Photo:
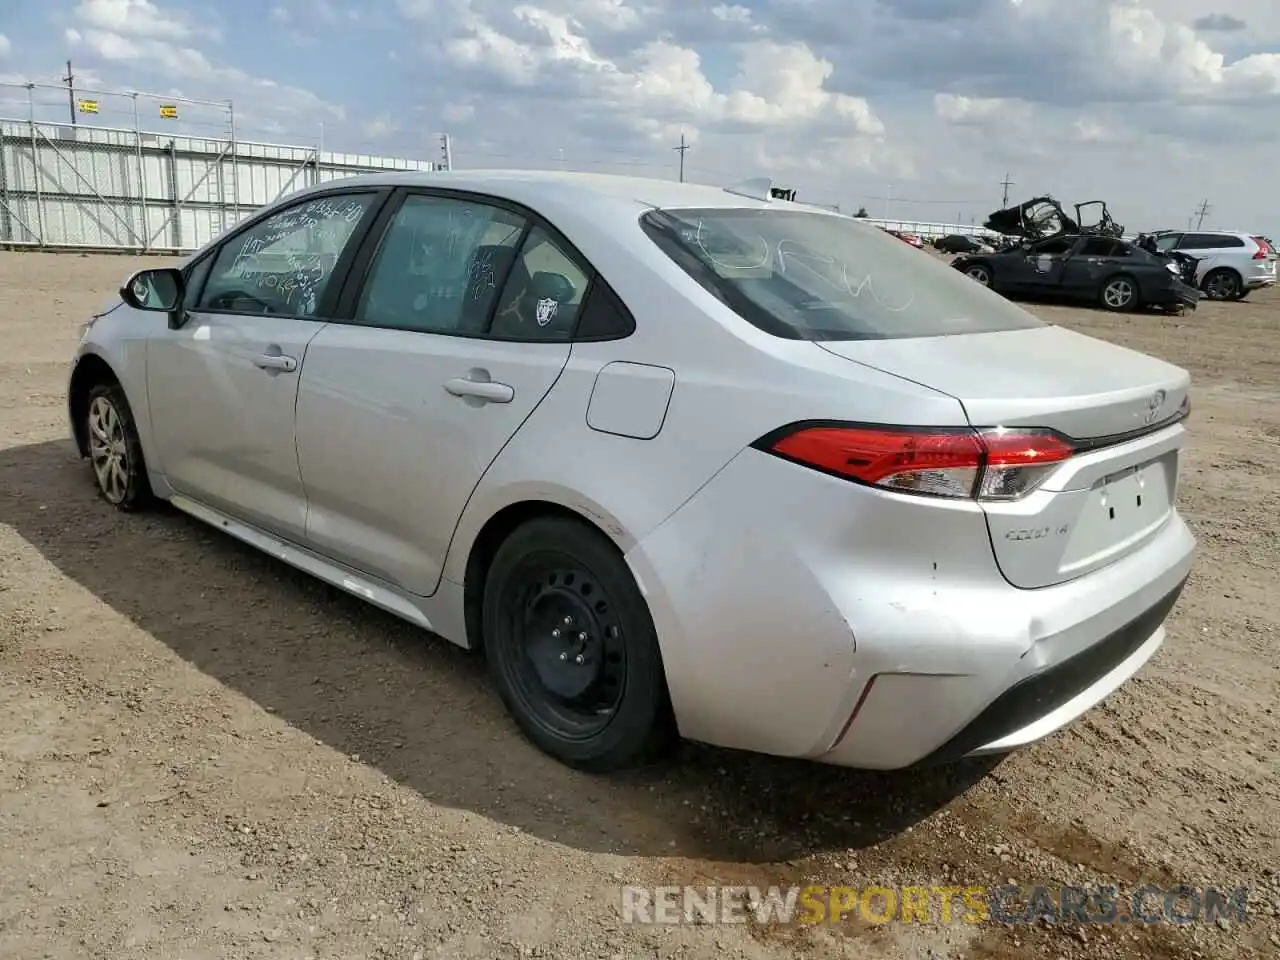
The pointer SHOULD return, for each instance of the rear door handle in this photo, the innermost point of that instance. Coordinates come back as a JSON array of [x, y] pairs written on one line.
[[273, 361], [485, 390]]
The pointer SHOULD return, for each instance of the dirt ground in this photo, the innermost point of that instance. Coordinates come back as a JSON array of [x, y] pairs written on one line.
[[206, 754]]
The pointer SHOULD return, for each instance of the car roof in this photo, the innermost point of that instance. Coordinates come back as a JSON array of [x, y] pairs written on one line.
[[1212, 233], [536, 188]]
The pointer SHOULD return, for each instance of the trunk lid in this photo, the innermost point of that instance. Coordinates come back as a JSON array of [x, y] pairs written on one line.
[[1109, 499]]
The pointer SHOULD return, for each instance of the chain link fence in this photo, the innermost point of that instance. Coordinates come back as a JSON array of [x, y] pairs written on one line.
[[141, 172]]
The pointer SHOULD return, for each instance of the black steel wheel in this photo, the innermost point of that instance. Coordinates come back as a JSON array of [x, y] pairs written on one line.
[[572, 648]]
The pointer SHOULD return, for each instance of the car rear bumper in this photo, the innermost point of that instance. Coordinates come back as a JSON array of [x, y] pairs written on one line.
[[1259, 282], [1037, 705], [871, 630]]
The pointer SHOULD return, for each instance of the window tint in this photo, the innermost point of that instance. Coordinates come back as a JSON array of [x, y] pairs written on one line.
[[439, 266], [543, 294], [284, 264], [1167, 243], [816, 276], [604, 316]]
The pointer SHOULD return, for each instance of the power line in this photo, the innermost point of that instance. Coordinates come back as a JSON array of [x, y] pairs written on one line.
[[1201, 212], [681, 150], [1006, 183], [70, 80]]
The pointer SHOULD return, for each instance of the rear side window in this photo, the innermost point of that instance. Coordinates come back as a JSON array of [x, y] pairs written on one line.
[[1209, 241], [814, 276]]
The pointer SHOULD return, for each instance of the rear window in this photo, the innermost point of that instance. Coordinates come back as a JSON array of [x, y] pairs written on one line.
[[816, 276]]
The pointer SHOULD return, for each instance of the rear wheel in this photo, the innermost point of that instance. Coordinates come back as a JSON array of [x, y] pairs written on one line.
[[572, 648], [115, 452], [1222, 284], [1120, 294]]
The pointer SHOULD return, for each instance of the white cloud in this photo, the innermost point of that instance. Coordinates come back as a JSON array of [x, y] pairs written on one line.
[[926, 102], [141, 35], [136, 18]]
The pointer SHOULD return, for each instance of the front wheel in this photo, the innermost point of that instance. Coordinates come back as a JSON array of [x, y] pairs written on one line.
[[115, 452], [572, 648], [1120, 294], [979, 272]]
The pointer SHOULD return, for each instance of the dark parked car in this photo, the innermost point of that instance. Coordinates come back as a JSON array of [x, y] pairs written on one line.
[[1115, 274], [958, 243]]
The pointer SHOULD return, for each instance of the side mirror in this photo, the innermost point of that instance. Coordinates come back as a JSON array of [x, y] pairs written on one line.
[[159, 289]]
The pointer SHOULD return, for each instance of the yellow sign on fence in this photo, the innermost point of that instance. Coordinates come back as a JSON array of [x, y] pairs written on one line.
[[168, 111], [87, 106]]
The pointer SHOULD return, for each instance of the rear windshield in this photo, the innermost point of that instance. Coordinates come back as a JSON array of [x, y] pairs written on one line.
[[817, 276]]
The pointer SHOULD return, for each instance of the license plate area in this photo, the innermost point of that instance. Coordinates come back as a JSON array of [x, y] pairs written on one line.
[[1119, 512]]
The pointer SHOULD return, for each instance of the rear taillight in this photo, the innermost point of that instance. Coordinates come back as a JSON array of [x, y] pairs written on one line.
[[996, 464], [1264, 249]]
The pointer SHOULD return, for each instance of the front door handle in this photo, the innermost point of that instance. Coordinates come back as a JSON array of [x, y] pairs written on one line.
[[484, 390], [274, 361]]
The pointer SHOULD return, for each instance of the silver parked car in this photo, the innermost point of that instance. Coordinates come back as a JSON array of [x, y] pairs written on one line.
[[677, 458], [1232, 264]]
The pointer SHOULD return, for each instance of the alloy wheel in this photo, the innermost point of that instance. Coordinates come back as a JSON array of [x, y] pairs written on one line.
[[1118, 294], [109, 450]]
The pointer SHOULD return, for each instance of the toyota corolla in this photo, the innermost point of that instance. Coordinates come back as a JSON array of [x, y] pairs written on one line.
[[678, 459]]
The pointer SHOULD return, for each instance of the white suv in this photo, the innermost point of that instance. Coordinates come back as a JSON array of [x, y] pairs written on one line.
[[1232, 264]]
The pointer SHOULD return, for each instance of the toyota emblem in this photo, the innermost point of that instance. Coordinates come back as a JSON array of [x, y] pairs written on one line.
[[1153, 407]]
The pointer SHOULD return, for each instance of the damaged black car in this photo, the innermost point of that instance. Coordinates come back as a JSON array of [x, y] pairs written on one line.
[[1083, 259], [1111, 273]]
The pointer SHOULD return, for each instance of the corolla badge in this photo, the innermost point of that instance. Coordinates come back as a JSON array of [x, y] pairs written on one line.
[[1153, 407]]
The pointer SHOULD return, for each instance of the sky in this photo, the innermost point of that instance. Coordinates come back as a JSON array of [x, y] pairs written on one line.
[[913, 109]]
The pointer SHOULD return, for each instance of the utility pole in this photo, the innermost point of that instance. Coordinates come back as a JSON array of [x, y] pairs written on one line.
[[70, 80], [1201, 211], [1006, 183], [680, 150]]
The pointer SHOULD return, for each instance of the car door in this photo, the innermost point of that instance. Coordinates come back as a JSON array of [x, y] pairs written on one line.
[[1089, 263], [459, 328], [222, 386], [1038, 268]]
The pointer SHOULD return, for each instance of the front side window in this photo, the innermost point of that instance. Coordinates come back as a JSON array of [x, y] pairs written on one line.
[[1103, 247], [815, 276], [1166, 243], [284, 264], [1053, 248], [440, 266]]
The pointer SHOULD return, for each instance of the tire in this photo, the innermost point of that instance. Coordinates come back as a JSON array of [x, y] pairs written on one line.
[[1119, 294], [1222, 284], [553, 582], [115, 452], [980, 273]]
